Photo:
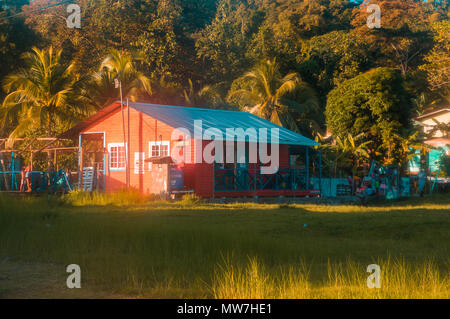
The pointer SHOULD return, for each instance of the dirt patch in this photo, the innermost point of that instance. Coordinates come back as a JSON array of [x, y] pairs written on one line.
[[23, 280]]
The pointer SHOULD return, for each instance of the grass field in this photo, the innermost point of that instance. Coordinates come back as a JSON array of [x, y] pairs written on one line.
[[127, 247]]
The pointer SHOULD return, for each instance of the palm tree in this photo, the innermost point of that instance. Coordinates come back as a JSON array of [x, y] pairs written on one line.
[[421, 103], [208, 95], [412, 144], [353, 152], [273, 97], [121, 66], [440, 127], [101, 89], [43, 95], [166, 91]]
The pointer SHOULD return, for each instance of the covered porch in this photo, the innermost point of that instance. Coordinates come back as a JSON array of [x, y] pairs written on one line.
[[293, 180]]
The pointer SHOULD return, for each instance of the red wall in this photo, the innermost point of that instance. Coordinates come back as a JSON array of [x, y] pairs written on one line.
[[143, 129]]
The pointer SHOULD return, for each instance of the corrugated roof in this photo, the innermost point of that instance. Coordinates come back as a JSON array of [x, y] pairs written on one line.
[[433, 113], [184, 117]]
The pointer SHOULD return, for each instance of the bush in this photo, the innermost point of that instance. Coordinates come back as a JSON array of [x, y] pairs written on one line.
[[190, 199], [444, 164]]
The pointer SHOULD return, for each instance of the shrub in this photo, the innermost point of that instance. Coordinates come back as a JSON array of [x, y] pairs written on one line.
[[190, 199]]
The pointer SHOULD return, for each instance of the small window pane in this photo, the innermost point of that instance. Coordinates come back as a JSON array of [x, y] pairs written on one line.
[[155, 150], [117, 157], [164, 150]]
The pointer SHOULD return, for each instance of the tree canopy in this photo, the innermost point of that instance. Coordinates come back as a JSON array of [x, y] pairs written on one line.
[[375, 104], [201, 52]]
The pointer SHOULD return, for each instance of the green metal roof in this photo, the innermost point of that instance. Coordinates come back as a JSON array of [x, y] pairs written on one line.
[[184, 117]]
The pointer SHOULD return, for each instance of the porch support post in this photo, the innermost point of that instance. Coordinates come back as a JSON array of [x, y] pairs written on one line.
[[13, 171], [213, 179], [320, 171], [55, 160], [31, 159], [255, 180], [307, 167]]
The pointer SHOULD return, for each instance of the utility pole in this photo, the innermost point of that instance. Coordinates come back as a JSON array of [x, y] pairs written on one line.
[[118, 84], [129, 146]]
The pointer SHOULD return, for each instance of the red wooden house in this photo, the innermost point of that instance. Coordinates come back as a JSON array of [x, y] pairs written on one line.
[[161, 149]]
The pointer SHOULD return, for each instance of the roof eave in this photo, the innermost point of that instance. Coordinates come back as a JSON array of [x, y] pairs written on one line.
[[77, 129]]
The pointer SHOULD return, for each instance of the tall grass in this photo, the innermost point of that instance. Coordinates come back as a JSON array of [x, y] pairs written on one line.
[[255, 282], [130, 197], [173, 251], [120, 198], [345, 281]]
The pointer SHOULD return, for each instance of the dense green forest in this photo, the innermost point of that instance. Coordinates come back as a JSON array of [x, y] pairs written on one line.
[[305, 64]]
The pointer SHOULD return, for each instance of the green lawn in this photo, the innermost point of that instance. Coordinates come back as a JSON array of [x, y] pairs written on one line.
[[163, 250]]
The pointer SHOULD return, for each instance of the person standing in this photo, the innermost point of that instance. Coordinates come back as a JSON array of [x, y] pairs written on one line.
[[26, 179]]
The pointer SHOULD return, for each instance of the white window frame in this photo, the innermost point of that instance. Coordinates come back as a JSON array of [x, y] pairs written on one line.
[[158, 143], [117, 169], [139, 163], [150, 153]]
